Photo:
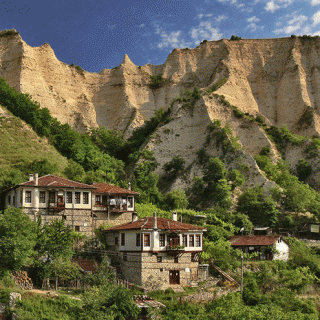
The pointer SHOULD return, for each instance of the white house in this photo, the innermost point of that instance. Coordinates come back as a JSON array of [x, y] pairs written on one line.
[[53, 197], [270, 247], [159, 251]]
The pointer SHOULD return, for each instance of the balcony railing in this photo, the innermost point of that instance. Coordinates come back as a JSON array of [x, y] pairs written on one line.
[[175, 248]]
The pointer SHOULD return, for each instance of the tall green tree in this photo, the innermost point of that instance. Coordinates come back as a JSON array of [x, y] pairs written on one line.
[[17, 239]]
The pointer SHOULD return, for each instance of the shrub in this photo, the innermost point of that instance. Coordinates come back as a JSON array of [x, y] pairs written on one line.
[[233, 37], [306, 118], [219, 84], [293, 36], [304, 169], [157, 81], [265, 151], [11, 32]]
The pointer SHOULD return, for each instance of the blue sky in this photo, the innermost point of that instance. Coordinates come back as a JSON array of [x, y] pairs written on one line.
[[97, 34]]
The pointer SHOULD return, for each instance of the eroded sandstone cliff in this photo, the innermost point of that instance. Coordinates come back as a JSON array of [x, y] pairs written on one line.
[[274, 78]]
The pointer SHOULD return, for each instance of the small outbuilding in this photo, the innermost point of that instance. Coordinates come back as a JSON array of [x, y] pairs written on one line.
[[269, 247]]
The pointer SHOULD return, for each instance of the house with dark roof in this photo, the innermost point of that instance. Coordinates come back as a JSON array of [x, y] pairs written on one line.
[[53, 197], [269, 247], [159, 252]]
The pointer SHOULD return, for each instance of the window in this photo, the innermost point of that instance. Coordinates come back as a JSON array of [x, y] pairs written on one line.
[[191, 240], [64, 217], [20, 197], [76, 228], [42, 197], [130, 202], [146, 240], [159, 259], [194, 257], [162, 240], [116, 240], [28, 196], [138, 239], [198, 240], [125, 257], [69, 197], [9, 199], [14, 200], [51, 197], [77, 196], [176, 259], [86, 197], [185, 240], [98, 199], [123, 239]]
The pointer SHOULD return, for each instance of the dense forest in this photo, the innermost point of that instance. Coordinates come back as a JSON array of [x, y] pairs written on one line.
[[275, 290]]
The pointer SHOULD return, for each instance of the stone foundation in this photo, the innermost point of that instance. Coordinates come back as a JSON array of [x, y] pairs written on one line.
[[144, 269], [81, 218]]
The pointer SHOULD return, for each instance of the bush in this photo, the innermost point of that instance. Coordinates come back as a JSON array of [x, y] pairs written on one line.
[[304, 169], [235, 38], [11, 32], [265, 151], [157, 81], [293, 36]]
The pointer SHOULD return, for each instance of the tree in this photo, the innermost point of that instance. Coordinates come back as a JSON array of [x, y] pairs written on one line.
[[55, 240], [176, 199], [64, 269], [304, 169], [74, 171], [17, 239], [108, 302], [261, 212]]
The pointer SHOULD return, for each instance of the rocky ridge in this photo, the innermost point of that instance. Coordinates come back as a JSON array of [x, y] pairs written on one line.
[[274, 78]]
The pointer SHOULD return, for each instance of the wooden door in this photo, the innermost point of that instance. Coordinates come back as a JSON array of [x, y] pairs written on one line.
[[60, 201], [174, 241], [174, 277]]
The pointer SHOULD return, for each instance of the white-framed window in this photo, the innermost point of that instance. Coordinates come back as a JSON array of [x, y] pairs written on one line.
[[28, 197]]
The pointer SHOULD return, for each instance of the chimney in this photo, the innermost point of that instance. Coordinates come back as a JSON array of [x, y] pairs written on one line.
[[129, 186], [174, 216], [134, 216], [155, 222], [31, 177], [36, 179]]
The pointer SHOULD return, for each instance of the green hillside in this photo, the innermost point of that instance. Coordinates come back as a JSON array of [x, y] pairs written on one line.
[[20, 145]]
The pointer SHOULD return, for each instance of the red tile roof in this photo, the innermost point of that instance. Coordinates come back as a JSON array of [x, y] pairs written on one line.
[[162, 224], [86, 265], [110, 189], [254, 240], [55, 182]]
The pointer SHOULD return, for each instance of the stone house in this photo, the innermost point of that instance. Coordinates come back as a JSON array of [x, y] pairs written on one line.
[[157, 252], [263, 245], [112, 203], [52, 197]]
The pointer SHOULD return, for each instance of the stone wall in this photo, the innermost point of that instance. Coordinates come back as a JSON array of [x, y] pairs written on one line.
[[144, 269], [81, 218]]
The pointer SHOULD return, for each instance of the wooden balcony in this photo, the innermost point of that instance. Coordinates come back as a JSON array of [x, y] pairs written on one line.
[[56, 207], [175, 249]]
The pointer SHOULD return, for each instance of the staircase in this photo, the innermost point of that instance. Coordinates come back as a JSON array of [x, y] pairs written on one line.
[[225, 275]]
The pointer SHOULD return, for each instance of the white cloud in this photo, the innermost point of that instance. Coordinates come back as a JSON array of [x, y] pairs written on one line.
[[316, 18], [220, 18], [271, 6], [204, 31], [315, 2], [253, 19], [232, 2], [170, 40], [298, 19], [277, 4], [201, 15]]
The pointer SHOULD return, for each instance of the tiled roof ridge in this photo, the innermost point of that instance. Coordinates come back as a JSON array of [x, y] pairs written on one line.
[[59, 177], [145, 222]]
